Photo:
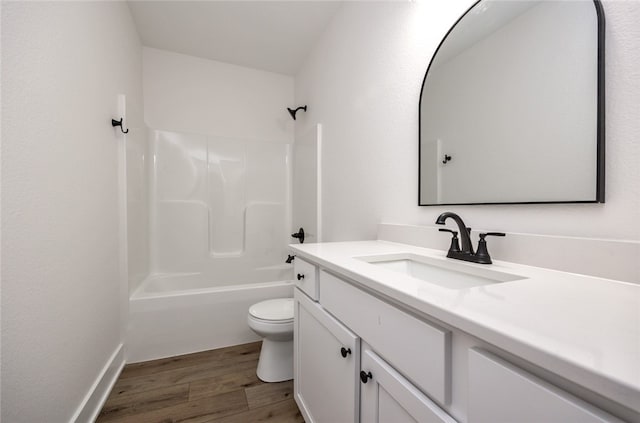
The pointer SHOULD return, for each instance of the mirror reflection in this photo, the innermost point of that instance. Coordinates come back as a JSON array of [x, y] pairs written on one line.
[[510, 110]]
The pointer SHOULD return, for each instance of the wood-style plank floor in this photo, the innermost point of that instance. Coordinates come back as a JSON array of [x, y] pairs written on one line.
[[212, 386]]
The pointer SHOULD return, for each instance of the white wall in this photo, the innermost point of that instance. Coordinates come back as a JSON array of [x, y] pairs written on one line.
[[188, 94], [363, 86], [63, 66]]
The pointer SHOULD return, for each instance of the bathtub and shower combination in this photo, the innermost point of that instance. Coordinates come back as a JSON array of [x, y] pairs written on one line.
[[219, 219], [178, 314]]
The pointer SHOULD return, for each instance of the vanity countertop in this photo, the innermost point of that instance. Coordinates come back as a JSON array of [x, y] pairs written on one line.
[[585, 329]]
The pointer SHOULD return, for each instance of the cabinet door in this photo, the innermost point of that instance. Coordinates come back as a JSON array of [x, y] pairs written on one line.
[[501, 392], [387, 397], [325, 375]]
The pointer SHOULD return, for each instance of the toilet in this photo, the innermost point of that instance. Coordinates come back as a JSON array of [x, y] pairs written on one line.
[[273, 321]]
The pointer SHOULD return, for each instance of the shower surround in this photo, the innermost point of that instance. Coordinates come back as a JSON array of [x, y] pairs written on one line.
[[219, 227]]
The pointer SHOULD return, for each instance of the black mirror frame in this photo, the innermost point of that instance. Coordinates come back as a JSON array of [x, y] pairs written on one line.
[[600, 130]]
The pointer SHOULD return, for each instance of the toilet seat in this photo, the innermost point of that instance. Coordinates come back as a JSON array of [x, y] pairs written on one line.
[[279, 310], [271, 322]]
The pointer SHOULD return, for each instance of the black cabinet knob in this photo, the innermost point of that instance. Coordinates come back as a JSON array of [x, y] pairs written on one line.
[[365, 376], [344, 352], [300, 276]]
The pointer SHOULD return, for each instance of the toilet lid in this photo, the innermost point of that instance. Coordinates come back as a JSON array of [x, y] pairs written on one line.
[[278, 309]]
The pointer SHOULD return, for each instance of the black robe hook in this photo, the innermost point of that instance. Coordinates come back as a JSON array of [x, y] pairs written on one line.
[[293, 112], [115, 123]]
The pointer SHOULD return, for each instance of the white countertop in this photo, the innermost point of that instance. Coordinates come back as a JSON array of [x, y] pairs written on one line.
[[583, 328]]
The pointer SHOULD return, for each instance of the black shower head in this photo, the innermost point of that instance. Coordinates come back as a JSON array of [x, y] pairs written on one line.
[[293, 112]]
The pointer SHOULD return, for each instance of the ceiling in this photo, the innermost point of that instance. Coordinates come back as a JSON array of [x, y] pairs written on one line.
[[274, 36]]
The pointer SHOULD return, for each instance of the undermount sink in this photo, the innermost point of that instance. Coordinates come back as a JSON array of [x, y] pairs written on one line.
[[439, 272]]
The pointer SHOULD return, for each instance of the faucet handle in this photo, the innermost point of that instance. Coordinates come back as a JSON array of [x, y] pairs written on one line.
[[455, 246], [482, 236], [482, 255], [455, 233]]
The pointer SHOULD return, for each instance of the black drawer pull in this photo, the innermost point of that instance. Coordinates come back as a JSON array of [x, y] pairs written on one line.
[[365, 376], [344, 352], [300, 276]]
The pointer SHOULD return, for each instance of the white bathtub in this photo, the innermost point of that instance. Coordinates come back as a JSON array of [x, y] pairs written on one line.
[[182, 313]]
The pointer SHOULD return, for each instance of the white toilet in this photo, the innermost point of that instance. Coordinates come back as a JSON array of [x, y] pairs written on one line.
[[273, 320]]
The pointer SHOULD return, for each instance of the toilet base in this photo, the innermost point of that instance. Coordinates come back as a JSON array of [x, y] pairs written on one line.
[[276, 361]]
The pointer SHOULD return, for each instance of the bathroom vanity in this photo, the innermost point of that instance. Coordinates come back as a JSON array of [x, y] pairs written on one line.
[[388, 332]]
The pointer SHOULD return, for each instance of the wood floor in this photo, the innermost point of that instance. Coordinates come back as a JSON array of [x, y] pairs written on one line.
[[213, 386]]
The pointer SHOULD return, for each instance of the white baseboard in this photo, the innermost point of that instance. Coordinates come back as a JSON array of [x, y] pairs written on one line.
[[94, 400]]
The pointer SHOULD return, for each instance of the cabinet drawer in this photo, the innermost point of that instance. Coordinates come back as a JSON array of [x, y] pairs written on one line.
[[502, 392], [419, 350], [305, 276]]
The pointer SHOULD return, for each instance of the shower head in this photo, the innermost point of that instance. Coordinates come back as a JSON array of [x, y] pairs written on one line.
[[293, 112]]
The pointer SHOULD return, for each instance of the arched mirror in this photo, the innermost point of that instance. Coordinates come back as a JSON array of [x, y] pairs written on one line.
[[512, 106]]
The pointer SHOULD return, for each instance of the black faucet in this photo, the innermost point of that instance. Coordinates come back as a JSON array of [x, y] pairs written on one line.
[[466, 252], [467, 248]]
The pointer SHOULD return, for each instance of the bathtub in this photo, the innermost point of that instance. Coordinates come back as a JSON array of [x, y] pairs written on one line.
[[173, 314]]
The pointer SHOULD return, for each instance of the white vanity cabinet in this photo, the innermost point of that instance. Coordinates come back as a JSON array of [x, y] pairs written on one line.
[[326, 365], [387, 397], [502, 392], [404, 366], [327, 379]]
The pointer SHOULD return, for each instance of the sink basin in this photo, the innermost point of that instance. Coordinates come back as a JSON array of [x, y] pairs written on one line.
[[439, 272]]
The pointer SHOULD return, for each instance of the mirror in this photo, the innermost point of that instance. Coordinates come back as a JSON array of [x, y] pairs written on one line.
[[512, 106]]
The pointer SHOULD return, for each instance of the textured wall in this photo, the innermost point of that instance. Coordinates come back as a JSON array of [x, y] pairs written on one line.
[[63, 66], [188, 94], [363, 87]]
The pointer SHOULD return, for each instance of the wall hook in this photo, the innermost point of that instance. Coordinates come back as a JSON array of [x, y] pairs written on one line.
[[446, 159], [293, 112], [115, 123]]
